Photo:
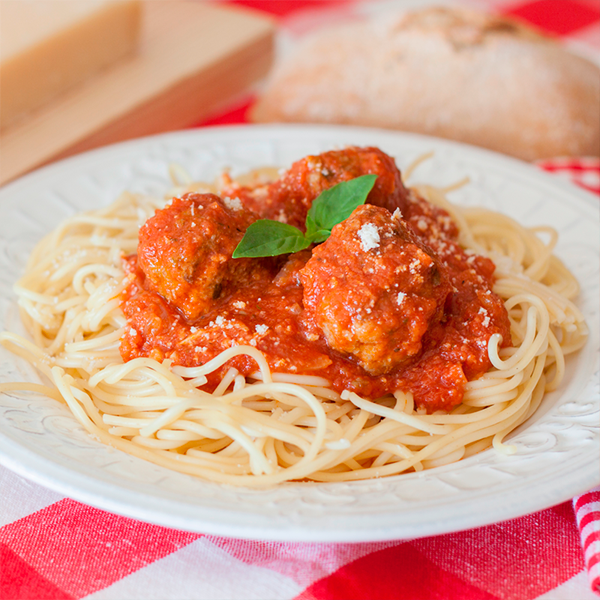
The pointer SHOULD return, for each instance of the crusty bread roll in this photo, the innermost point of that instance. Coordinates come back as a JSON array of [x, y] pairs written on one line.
[[448, 72]]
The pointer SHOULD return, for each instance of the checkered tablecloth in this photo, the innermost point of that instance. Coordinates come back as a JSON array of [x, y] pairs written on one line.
[[52, 547]]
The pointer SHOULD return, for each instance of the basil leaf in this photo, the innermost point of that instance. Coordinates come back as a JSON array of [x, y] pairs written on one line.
[[318, 236], [270, 238], [311, 226], [336, 204], [332, 206]]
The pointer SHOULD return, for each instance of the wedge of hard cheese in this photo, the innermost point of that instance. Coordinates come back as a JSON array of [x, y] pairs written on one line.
[[192, 58], [48, 46]]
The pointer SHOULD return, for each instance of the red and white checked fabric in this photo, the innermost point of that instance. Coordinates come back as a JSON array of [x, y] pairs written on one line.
[[54, 548], [587, 512]]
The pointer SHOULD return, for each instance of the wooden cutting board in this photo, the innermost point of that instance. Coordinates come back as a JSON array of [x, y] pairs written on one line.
[[193, 56]]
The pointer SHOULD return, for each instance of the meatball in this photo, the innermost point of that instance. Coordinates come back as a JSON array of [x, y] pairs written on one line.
[[373, 290], [185, 251], [289, 198]]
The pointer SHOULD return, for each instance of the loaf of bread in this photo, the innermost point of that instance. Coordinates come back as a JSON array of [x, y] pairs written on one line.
[[448, 72]]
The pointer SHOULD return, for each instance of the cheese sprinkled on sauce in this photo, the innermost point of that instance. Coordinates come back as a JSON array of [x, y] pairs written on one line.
[[369, 236], [232, 203], [486, 318]]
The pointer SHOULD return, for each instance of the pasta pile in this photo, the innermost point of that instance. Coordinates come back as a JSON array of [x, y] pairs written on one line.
[[275, 427]]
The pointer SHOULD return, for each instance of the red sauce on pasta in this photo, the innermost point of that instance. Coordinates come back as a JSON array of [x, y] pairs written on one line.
[[389, 302]]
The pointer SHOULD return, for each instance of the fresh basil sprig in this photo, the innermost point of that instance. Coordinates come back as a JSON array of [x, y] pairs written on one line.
[[272, 238]]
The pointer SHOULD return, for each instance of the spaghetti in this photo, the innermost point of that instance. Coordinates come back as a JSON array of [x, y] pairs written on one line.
[[269, 427]]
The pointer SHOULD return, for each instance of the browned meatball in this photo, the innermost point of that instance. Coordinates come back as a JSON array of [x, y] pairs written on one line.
[[373, 290], [289, 198], [185, 251]]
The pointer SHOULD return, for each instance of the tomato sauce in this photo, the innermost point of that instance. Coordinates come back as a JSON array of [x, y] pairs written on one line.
[[412, 312]]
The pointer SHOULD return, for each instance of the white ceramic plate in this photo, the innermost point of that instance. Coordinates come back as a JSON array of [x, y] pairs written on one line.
[[558, 449]]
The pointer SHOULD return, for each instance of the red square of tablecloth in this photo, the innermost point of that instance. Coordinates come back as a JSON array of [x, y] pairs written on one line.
[[561, 17]]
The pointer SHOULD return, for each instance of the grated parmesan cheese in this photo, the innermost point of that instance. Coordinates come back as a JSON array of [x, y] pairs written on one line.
[[369, 236], [415, 263], [232, 203], [486, 318], [281, 217]]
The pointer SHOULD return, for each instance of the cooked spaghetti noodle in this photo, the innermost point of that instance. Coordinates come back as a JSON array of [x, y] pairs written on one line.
[[272, 427]]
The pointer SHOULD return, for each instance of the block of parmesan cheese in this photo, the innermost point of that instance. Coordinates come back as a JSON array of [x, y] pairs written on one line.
[[48, 46], [192, 58]]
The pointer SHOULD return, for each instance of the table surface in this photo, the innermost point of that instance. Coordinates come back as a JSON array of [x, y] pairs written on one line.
[[54, 547]]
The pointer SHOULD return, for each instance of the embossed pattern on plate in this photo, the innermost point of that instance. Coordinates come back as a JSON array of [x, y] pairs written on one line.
[[558, 449]]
